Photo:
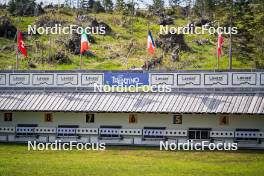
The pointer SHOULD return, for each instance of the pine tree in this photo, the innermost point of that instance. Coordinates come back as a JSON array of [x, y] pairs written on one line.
[[22, 7], [97, 7], [12, 7], [244, 20], [120, 6], [158, 5], [84, 4], [90, 4], [108, 5], [204, 8], [174, 3]]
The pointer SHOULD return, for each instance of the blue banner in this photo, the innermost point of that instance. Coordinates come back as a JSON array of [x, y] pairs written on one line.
[[126, 79]]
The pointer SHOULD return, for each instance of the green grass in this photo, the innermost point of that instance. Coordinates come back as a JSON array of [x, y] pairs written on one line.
[[202, 57], [17, 160]]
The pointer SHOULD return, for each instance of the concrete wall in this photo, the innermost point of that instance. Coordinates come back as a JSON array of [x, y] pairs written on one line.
[[144, 120]]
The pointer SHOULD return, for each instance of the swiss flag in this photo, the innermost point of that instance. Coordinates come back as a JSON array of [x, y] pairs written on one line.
[[20, 44]]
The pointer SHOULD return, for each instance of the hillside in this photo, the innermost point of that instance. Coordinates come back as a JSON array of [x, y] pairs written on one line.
[[124, 48]]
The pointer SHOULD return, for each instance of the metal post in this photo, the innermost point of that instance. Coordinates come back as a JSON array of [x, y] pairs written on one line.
[[49, 55], [218, 62], [81, 61], [217, 49], [230, 37], [147, 45], [17, 61]]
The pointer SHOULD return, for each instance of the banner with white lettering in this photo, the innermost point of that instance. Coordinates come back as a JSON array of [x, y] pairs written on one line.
[[126, 79]]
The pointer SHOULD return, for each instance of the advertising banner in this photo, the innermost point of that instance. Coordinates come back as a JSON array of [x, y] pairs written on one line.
[[126, 79]]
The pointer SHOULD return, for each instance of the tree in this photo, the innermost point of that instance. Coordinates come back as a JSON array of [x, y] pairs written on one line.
[[108, 5], [12, 6], [120, 6], [258, 33], [130, 8], [97, 7], [158, 5], [204, 8], [174, 3], [24, 8], [247, 16], [84, 4], [90, 4], [244, 20]]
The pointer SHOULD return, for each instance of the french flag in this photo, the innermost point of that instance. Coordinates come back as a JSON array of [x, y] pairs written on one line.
[[151, 44]]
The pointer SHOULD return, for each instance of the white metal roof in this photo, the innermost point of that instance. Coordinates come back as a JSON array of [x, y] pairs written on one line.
[[251, 103]]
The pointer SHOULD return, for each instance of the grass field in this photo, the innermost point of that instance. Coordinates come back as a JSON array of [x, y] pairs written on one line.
[[17, 160], [112, 52]]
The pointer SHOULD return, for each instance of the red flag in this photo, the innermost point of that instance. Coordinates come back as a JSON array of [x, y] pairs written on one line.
[[20, 44], [219, 45]]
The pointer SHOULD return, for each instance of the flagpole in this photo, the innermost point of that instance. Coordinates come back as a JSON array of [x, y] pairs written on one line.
[[81, 62], [147, 56], [230, 37], [217, 63], [17, 64], [230, 51], [217, 47]]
